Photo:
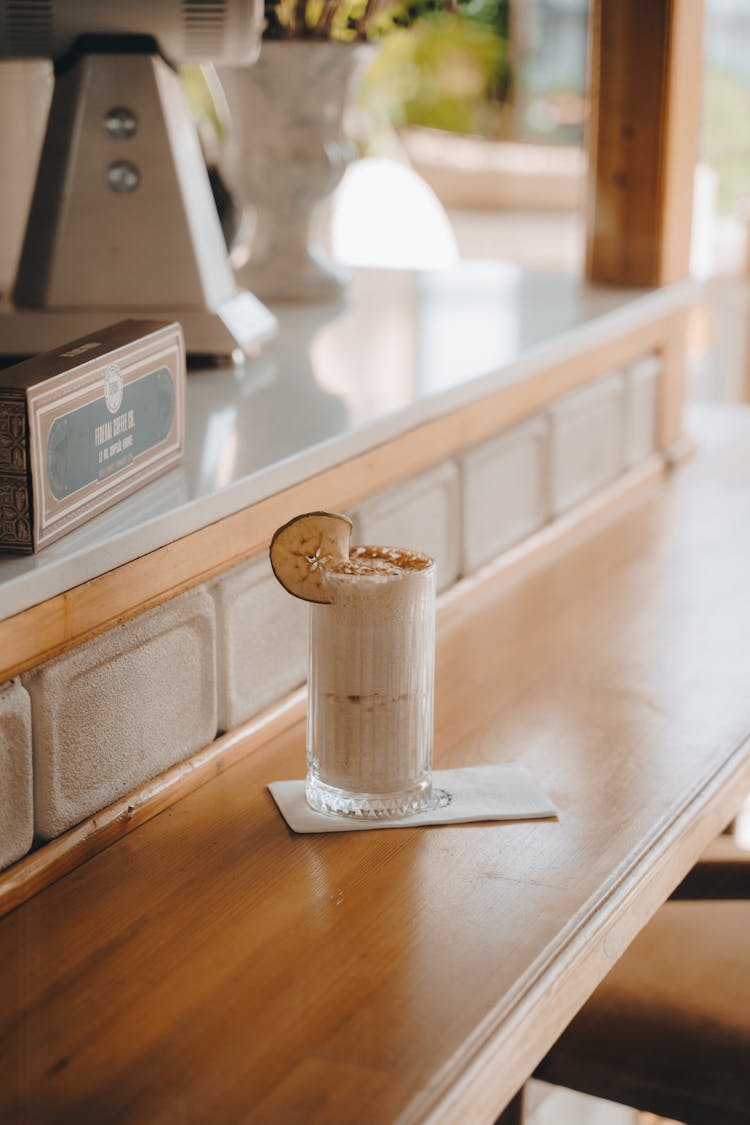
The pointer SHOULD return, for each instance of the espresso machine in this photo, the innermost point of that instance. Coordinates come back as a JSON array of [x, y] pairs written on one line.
[[123, 222]]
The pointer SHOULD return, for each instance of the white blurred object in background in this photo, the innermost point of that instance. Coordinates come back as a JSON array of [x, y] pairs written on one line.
[[384, 214]]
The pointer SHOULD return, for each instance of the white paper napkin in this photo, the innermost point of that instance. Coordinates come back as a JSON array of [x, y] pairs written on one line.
[[471, 794]]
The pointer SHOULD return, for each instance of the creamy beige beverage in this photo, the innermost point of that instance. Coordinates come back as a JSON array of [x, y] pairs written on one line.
[[371, 677]]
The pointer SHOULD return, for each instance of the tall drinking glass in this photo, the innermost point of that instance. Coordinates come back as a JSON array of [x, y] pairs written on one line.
[[371, 686]]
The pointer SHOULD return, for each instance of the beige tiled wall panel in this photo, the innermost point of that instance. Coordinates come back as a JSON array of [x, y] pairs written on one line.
[[587, 440], [422, 514], [121, 709], [16, 794], [504, 491], [261, 639], [641, 408]]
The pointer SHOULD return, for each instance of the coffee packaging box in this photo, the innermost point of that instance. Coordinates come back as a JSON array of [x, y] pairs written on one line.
[[86, 424]]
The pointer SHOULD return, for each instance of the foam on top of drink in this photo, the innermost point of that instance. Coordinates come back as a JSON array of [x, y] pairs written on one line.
[[384, 573], [379, 561]]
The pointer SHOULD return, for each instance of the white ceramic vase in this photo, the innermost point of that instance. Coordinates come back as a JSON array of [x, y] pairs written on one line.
[[288, 115]]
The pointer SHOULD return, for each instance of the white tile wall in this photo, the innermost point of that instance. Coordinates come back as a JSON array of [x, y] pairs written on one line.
[[16, 793], [422, 514], [641, 408], [504, 491], [588, 440], [261, 641], [121, 709]]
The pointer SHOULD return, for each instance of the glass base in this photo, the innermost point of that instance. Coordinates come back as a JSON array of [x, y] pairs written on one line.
[[368, 806]]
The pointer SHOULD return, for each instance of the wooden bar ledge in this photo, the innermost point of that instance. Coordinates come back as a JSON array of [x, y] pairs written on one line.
[[212, 966]]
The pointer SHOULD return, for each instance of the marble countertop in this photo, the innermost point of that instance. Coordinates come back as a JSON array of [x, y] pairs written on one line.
[[402, 347]]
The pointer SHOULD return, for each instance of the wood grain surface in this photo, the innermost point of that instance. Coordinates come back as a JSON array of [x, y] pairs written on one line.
[[55, 858], [212, 966]]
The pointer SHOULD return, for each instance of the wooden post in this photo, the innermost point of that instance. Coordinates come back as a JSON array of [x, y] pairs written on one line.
[[646, 80]]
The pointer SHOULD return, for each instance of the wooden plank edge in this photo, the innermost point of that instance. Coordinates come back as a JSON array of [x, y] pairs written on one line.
[[43, 631], [56, 858], [503, 1052]]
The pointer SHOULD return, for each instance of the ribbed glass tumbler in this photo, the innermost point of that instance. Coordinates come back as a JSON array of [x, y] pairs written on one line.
[[371, 687]]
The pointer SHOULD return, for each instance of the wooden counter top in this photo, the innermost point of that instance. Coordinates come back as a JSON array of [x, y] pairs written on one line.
[[211, 966]]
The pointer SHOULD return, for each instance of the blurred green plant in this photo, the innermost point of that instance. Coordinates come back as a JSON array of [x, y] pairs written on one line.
[[442, 63], [450, 70], [345, 20]]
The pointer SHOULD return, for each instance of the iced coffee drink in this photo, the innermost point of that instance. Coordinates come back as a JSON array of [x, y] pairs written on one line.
[[371, 667], [371, 672]]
